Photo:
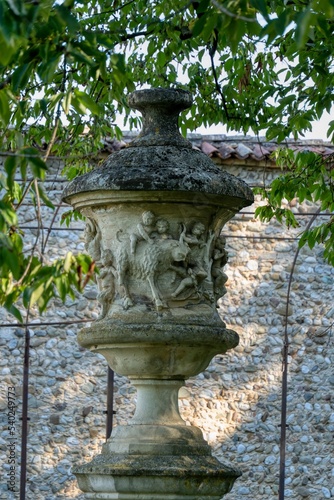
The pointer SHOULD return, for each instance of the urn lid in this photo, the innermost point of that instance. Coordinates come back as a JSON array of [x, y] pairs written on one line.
[[160, 159]]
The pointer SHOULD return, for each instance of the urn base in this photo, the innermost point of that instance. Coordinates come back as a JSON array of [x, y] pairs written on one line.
[[154, 477]]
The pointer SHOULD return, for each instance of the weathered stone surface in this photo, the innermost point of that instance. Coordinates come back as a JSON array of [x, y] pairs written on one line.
[[134, 476], [160, 277], [163, 169], [161, 160], [225, 424]]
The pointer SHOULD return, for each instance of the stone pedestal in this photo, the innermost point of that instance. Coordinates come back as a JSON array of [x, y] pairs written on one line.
[[154, 215]]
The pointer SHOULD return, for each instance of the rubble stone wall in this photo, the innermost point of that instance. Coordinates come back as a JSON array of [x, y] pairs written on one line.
[[236, 401]]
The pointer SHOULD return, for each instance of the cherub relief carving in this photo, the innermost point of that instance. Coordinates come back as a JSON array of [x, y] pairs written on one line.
[[153, 255], [189, 282], [219, 259], [202, 273], [106, 282], [196, 267], [92, 235], [162, 230], [197, 244], [104, 260], [152, 252], [145, 229]]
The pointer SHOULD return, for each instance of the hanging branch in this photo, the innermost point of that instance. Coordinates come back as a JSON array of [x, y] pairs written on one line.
[[39, 214], [212, 51], [55, 213], [26, 191], [25, 418]]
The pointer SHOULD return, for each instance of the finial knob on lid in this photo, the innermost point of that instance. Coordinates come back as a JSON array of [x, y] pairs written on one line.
[[160, 109]]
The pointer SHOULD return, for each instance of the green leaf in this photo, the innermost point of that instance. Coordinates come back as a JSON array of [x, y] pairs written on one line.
[[320, 70], [330, 128], [61, 287], [16, 6], [37, 166], [161, 58], [45, 198], [36, 293], [68, 262], [4, 108], [67, 102], [47, 69], [21, 76], [10, 168], [199, 25], [7, 53], [84, 261], [15, 312], [87, 102], [8, 214], [70, 215], [11, 261], [17, 191], [303, 22], [203, 6], [261, 6], [67, 18], [287, 100]]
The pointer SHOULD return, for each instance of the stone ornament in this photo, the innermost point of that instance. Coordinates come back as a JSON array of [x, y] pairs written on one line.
[[93, 242], [154, 214], [219, 260], [149, 256], [106, 282], [188, 265]]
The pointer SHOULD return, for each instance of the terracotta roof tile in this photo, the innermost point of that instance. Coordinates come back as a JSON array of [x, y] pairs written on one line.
[[260, 152], [226, 151], [328, 151], [209, 149], [241, 147], [272, 147], [243, 151]]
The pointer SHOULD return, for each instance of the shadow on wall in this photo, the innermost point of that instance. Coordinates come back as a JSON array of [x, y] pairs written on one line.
[[237, 400], [67, 401]]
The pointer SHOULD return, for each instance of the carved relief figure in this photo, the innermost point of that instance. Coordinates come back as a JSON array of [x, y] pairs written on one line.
[[106, 282], [219, 259], [197, 266], [148, 259], [189, 281], [92, 237], [144, 231], [162, 230], [148, 253], [197, 244]]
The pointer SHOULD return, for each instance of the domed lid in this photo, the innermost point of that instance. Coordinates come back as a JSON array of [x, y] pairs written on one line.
[[160, 159]]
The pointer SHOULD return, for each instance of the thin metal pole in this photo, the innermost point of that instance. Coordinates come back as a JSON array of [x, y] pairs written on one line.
[[24, 435], [110, 403], [285, 373], [283, 421]]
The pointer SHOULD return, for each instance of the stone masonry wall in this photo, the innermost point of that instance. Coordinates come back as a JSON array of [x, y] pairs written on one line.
[[236, 401]]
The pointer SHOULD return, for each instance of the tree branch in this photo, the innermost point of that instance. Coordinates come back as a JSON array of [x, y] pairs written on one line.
[[231, 14], [212, 51]]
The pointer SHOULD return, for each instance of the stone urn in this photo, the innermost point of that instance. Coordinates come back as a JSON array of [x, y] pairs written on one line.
[[154, 213]]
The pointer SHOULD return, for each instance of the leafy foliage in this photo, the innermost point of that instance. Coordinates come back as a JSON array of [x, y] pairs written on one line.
[[66, 67], [307, 177], [28, 278], [255, 64]]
